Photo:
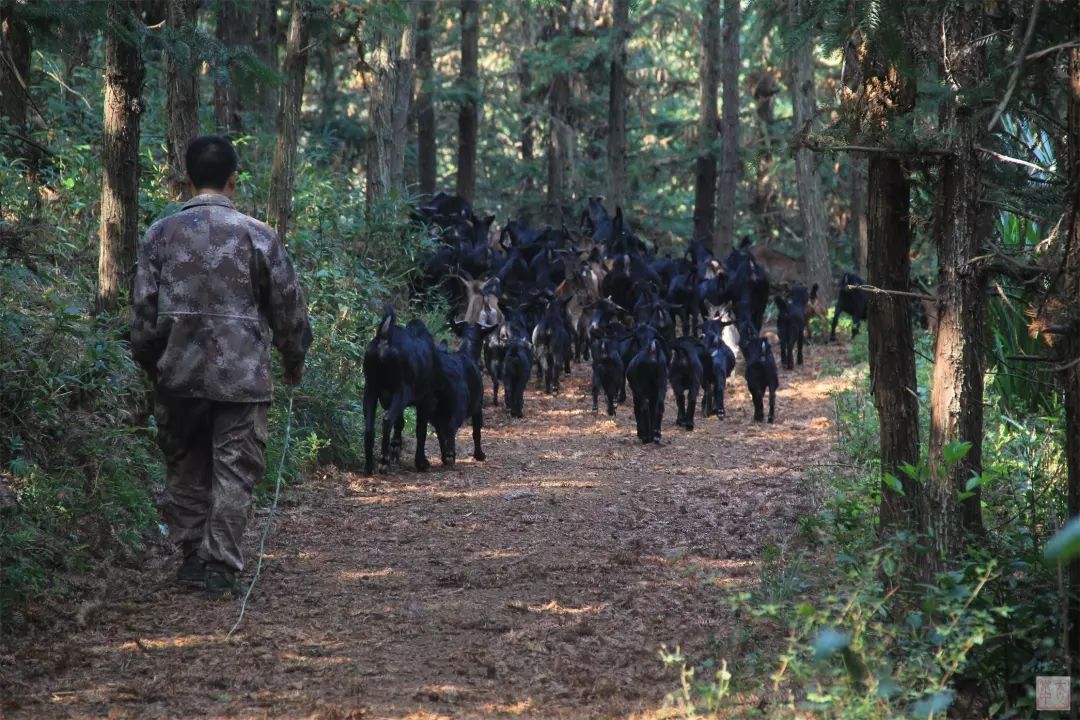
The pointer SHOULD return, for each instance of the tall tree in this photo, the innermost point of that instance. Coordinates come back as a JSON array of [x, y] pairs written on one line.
[[729, 132], [267, 33], [858, 221], [705, 177], [470, 87], [616, 139], [389, 83], [1071, 372], [885, 94], [426, 140], [182, 89], [956, 402], [560, 136], [525, 95], [15, 47], [236, 31], [811, 200], [119, 228], [282, 173]]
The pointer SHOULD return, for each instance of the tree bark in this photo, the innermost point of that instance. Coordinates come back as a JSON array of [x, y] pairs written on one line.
[[235, 30], [182, 92], [1070, 379], [859, 232], [892, 344], [811, 200], [470, 88], [730, 168], [267, 34], [282, 172], [956, 402], [705, 176], [15, 48], [118, 234], [616, 140], [389, 85], [528, 123], [560, 134], [426, 137]]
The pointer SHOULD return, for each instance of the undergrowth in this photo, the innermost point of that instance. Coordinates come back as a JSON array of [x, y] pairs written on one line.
[[851, 638], [81, 477]]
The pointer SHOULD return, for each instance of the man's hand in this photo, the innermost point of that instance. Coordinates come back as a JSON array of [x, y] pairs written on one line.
[[294, 376]]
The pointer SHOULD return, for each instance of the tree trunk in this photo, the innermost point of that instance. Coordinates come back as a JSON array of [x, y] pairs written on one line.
[[266, 50], [119, 230], [426, 137], [182, 92], [705, 175], [279, 205], [15, 47], [389, 85], [1071, 376], [811, 201], [470, 88], [235, 30], [616, 140], [730, 169], [892, 345], [956, 403], [560, 135], [858, 222]]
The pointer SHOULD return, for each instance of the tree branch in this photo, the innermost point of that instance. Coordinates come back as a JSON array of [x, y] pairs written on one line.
[[1014, 161], [1018, 65]]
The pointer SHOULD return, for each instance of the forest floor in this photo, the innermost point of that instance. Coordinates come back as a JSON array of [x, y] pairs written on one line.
[[541, 583]]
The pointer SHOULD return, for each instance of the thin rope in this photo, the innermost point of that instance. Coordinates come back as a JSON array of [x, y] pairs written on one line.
[[269, 517]]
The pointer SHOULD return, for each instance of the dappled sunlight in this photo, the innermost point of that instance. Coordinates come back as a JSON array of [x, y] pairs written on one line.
[[359, 575], [554, 607], [161, 643]]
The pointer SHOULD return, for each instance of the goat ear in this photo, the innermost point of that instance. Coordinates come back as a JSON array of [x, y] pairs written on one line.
[[813, 292], [458, 327]]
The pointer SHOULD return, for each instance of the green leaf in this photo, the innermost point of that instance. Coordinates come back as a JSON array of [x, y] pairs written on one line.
[[829, 642], [894, 483], [955, 451], [1065, 545]]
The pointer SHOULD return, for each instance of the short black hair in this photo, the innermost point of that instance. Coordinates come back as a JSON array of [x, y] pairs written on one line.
[[210, 160]]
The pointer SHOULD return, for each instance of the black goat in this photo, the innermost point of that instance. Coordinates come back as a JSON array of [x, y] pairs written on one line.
[[608, 372], [852, 301], [647, 375], [459, 396], [721, 365], [551, 340], [685, 374], [517, 365], [760, 371], [791, 323], [399, 368]]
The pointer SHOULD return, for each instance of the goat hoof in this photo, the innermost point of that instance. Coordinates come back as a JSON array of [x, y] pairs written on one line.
[[448, 460], [369, 470], [479, 456], [422, 465], [770, 419], [689, 426]]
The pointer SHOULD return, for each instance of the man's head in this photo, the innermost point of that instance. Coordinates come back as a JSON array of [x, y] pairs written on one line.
[[211, 164]]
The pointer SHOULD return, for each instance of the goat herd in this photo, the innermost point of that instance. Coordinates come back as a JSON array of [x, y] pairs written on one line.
[[542, 298]]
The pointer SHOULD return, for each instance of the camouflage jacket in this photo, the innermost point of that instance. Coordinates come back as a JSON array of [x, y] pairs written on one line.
[[211, 284]]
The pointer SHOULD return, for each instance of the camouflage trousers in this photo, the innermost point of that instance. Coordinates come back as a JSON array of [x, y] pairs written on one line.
[[214, 453]]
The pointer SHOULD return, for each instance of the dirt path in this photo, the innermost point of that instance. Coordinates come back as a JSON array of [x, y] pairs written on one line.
[[541, 583]]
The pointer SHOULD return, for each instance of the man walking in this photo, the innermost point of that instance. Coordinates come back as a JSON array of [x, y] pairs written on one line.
[[212, 287]]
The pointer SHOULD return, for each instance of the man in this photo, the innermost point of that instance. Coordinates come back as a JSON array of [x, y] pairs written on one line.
[[212, 286]]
